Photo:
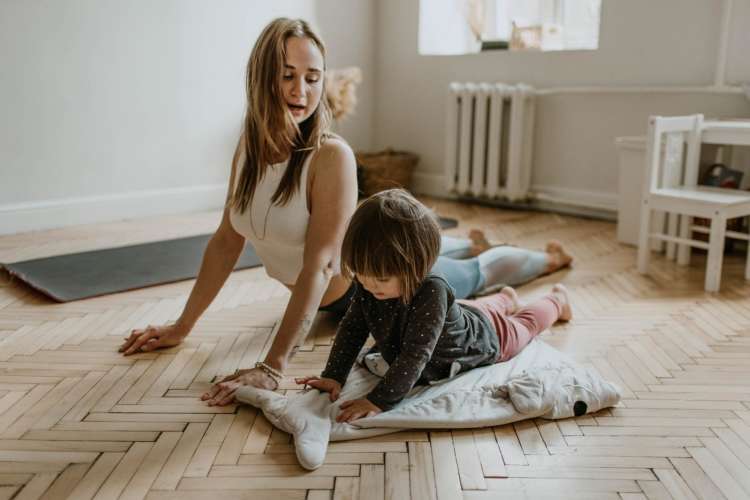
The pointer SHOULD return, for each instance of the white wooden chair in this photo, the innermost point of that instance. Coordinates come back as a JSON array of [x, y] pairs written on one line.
[[672, 188]]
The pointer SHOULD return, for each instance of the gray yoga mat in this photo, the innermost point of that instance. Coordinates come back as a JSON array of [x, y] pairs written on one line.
[[88, 274], [65, 278]]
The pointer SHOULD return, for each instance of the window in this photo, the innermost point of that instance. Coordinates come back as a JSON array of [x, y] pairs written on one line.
[[469, 26]]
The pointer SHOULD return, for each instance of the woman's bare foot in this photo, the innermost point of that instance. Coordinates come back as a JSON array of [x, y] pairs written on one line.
[[558, 257], [479, 242], [513, 296], [561, 294]]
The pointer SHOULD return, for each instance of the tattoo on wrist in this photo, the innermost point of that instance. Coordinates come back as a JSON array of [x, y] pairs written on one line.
[[303, 330], [305, 326]]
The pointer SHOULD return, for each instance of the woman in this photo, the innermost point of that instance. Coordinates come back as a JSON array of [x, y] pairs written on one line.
[[292, 189]]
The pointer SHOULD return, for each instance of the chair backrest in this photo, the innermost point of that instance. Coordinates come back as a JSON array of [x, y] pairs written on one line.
[[678, 165]]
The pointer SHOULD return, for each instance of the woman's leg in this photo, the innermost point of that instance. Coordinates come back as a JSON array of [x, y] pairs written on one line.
[[517, 330], [340, 305], [473, 264], [463, 275], [497, 266], [511, 266], [456, 248], [465, 248]]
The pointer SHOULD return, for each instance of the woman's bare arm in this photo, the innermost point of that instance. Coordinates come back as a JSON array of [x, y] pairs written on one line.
[[222, 252], [333, 196], [333, 200]]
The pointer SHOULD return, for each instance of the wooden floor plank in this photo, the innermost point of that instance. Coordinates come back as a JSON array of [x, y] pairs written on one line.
[[35, 488], [716, 469], [421, 472], [489, 454], [233, 444], [66, 482], [256, 483], [510, 448], [174, 468], [654, 490], [77, 419], [284, 470], [692, 473], [346, 488], [444, 462], [397, 484], [372, 482], [256, 494], [467, 457], [96, 475], [123, 473], [145, 475]]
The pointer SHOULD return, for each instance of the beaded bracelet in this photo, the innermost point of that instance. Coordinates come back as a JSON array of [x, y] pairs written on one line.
[[275, 374]]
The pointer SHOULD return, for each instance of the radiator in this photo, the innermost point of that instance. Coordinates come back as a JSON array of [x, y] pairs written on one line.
[[489, 140]]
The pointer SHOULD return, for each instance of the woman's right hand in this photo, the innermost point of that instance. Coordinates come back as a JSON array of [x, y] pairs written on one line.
[[153, 337], [222, 392], [332, 387]]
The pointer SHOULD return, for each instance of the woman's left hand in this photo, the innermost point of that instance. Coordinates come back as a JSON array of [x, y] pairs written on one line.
[[355, 409], [222, 392]]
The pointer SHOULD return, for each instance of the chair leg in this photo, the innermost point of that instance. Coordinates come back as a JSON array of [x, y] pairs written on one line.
[[683, 251], [659, 222], [672, 221], [715, 252], [747, 263], [644, 249]]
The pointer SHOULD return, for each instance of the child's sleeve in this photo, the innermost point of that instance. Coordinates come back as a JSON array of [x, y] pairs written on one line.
[[427, 318], [351, 335]]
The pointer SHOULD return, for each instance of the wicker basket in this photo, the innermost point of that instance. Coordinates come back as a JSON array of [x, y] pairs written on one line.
[[385, 170]]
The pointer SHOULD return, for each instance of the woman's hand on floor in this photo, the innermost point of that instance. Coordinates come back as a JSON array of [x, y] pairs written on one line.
[[356, 409], [153, 337], [222, 392], [332, 387]]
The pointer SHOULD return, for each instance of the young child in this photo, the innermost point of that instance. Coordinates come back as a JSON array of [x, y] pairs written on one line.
[[419, 328]]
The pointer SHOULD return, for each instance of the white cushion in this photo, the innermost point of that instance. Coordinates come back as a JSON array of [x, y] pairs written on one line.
[[540, 382]]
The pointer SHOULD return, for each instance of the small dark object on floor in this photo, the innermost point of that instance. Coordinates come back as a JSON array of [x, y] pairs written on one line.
[[447, 223]]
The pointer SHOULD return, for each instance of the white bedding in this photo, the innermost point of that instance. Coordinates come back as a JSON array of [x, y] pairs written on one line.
[[539, 382]]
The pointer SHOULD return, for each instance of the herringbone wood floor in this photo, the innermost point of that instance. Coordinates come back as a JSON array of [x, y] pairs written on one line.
[[79, 421]]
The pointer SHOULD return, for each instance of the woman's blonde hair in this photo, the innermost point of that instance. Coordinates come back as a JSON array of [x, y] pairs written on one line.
[[270, 132], [392, 234]]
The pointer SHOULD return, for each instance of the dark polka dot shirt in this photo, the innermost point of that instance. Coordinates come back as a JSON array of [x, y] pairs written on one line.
[[420, 340]]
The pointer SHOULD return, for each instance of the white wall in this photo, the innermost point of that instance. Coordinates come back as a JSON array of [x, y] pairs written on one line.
[[112, 110], [738, 63], [348, 29], [115, 110], [665, 43]]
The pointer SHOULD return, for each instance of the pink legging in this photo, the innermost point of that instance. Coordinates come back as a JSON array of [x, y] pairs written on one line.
[[515, 331]]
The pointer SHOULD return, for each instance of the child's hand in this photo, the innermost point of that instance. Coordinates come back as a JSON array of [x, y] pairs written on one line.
[[357, 408], [332, 387]]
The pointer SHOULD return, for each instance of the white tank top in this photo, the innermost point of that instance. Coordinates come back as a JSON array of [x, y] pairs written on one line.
[[277, 232]]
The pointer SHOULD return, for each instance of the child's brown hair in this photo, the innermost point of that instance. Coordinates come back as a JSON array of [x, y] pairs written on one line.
[[392, 234]]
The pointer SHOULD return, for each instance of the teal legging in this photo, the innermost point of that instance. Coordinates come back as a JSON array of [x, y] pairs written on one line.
[[503, 265]]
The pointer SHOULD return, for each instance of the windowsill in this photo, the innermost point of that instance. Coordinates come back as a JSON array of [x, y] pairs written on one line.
[[488, 45]]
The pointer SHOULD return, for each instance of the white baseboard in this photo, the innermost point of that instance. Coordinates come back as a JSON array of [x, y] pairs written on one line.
[[545, 197], [576, 197], [49, 214]]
